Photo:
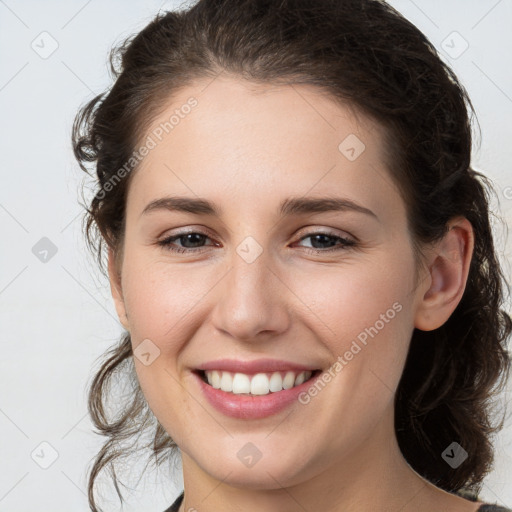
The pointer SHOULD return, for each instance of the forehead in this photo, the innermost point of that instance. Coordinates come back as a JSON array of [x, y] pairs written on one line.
[[234, 107], [228, 135]]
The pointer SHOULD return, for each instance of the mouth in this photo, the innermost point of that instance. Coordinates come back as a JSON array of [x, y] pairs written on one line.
[[256, 384]]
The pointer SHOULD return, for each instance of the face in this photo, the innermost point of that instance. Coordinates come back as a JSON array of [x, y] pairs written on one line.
[[310, 286]]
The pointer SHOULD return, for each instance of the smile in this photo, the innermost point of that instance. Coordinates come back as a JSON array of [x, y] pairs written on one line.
[[256, 384]]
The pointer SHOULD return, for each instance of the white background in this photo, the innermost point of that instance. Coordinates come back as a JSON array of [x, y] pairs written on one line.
[[57, 318]]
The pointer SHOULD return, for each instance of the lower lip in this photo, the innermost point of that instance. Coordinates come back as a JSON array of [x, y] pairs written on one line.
[[254, 406]]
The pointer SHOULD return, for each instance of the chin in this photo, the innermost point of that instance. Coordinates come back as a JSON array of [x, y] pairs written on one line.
[[271, 473]]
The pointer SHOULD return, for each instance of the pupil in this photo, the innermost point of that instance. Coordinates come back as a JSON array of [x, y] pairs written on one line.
[[332, 241], [199, 238]]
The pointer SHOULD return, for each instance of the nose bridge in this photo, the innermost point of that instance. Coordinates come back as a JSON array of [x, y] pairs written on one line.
[[250, 270], [250, 300]]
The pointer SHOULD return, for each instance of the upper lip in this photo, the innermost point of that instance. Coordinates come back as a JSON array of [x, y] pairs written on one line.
[[255, 366]]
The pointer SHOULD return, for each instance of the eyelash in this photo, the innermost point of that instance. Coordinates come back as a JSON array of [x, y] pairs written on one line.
[[345, 242]]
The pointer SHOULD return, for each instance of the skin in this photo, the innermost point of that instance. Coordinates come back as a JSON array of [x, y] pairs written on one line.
[[246, 148]]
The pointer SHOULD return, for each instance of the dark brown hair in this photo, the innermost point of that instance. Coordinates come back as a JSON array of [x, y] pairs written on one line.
[[367, 55]]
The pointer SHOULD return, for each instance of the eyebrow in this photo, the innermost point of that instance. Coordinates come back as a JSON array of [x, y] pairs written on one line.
[[289, 207]]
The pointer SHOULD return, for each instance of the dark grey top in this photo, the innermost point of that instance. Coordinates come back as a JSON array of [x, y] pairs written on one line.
[[486, 507]]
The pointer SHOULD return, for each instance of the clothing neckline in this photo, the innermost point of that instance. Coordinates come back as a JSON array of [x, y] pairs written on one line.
[[484, 507]]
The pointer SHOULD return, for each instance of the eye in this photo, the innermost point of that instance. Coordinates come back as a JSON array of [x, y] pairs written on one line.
[[321, 239], [192, 238], [193, 242]]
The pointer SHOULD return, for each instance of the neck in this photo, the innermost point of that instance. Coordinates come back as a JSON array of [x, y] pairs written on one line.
[[370, 475]]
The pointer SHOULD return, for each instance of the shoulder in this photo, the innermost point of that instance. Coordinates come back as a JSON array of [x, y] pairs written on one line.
[[487, 507]]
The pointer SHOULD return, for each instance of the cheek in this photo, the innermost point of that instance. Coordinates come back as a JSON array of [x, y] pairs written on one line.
[[359, 312], [161, 298], [348, 300], [366, 317], [343, 300]]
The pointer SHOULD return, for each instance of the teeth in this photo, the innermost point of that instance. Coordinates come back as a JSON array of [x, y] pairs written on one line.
[[258, 384], [240, 383]]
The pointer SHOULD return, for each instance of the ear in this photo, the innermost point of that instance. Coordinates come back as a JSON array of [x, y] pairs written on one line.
[[114, 274], [448, 269]]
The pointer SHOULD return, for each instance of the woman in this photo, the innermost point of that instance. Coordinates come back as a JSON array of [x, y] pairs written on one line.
[[301, 256]]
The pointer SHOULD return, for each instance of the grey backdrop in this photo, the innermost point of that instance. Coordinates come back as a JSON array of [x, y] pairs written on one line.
[[56, 313]]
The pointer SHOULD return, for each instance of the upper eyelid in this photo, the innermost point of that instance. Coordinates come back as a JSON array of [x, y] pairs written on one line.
[[312, 230], [304, 231]]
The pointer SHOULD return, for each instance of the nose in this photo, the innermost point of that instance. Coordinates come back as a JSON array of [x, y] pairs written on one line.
[[252, 300]]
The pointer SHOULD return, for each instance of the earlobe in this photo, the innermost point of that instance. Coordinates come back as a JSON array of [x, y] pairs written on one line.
[[116, 289], [448, 271]]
